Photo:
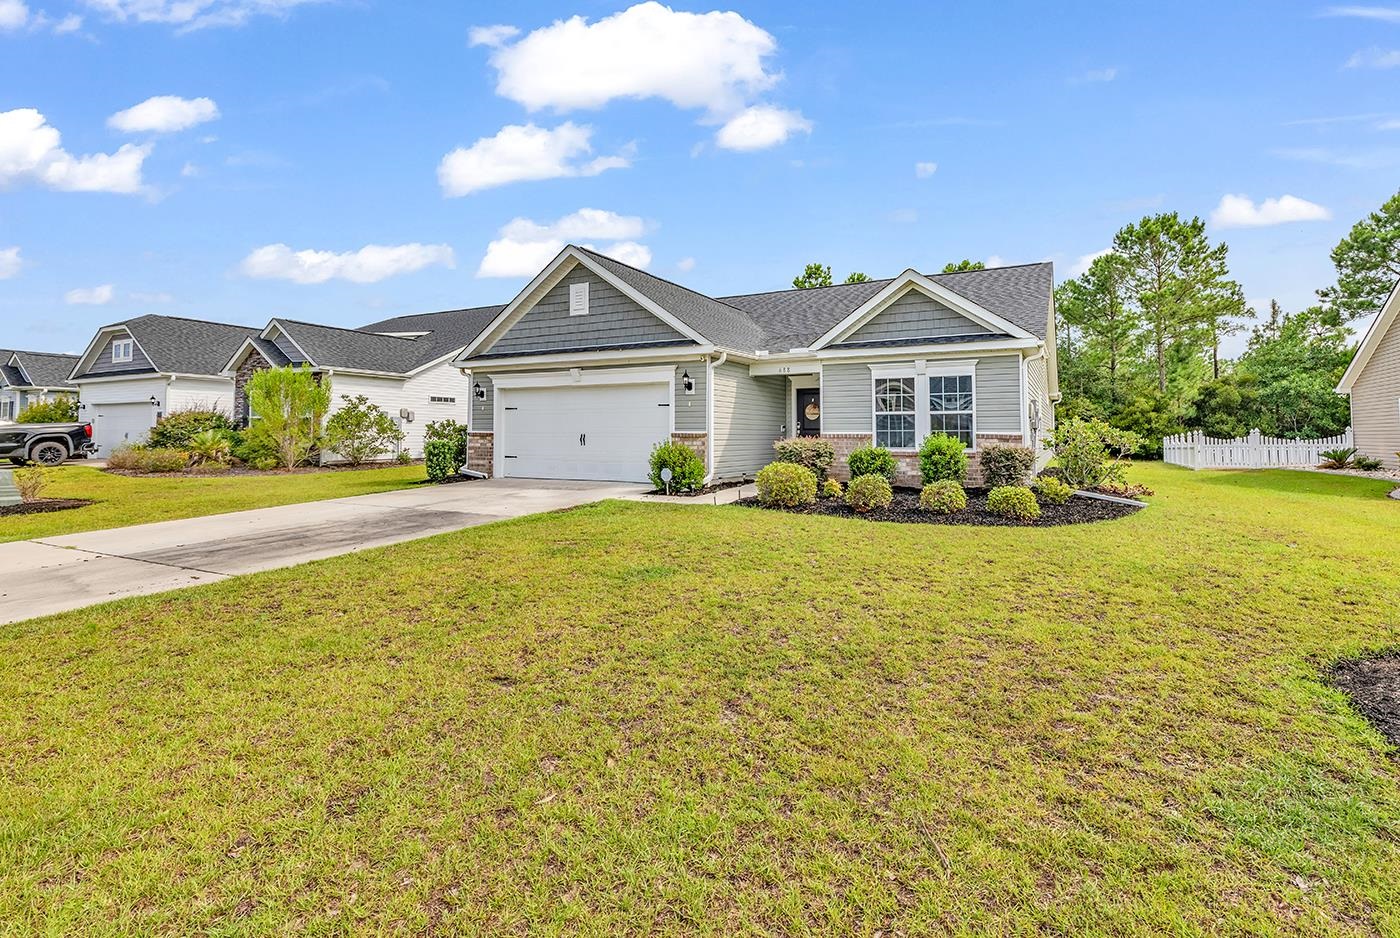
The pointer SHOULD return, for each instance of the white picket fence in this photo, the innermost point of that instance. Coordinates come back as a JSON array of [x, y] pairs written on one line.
[[1197, 451]]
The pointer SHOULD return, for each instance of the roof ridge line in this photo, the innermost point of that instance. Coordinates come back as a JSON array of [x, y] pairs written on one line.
[[679, 286]]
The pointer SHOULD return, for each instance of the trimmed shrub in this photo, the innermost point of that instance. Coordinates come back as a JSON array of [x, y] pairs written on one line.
[[814, 453], [1006, 465], [1013, 501], [211, 447], [687, 468], [361, 431], [869, 492], [1050, 491], [786, 485], [440, 459], [831, 489], [176, 429], [62, 409], [148, 459], [942, 457], [871, 460], [256, 450], [1367, 463], [449, 430], [943, 498]]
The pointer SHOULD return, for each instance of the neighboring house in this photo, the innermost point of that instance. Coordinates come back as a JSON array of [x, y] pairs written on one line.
[[1373, 382], [403, 365], [134, 372], [31, 378], [595, 362]]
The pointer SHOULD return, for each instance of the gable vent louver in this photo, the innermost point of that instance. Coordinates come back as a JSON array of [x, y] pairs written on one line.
[[578, 299]]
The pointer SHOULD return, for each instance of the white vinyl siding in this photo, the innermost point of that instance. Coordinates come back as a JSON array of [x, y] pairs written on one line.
[[750, 413], [1375, 402], [198, 394], [415, 394]]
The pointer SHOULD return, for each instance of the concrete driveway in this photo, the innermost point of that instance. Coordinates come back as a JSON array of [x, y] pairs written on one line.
[[55, 574]]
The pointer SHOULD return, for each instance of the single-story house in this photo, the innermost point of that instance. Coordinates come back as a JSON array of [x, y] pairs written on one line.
[[595, 362], [31, 378], [1372, 380], [134, 372], [403, 365]]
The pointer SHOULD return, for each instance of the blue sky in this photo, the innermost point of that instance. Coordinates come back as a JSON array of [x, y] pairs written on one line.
[[722, 151]]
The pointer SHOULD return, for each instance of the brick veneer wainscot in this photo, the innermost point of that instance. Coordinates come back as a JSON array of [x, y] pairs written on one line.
[[696, 441], [481, 447], [907, 464]]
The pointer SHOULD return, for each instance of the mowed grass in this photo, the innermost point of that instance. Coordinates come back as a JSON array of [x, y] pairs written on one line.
[[635, 718], [123, 500]]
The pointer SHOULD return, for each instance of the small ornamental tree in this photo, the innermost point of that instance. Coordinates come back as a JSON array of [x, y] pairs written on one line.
[[289, 406], [1091, 452], [62, 409], [361, 431]]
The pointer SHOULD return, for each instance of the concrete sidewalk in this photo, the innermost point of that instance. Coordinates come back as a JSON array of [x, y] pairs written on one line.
[[56, 574]]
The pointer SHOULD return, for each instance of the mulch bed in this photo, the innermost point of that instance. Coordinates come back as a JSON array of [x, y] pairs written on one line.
[[1373, 684], [43, 505], [905, 509], [696, 493]]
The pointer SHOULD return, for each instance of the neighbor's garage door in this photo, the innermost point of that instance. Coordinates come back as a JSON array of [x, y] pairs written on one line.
[[115, 424], [603, 432]]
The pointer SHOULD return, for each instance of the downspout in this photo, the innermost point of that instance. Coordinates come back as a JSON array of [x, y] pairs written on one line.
[[710, 365]]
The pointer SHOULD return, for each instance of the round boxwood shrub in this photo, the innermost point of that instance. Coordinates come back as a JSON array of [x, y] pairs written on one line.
[[786, 485], [942, 457], [871, 460], [687, 468], [1013, 501], [1006, 465], [1051, 491], [868, 492], [943, 498], [831, 489]]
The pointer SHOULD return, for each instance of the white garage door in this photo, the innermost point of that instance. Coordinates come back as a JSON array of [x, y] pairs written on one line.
[[115, 424], [602, 433]]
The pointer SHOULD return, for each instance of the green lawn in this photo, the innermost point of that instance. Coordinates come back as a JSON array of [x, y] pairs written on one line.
[[123, 500], [638, 718]]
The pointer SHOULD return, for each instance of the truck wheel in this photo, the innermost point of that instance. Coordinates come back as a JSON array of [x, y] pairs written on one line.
[[48, 453]]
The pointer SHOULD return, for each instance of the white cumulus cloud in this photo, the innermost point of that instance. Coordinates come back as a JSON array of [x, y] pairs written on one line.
[[685, 265], [164, 114], [9, 262], [710, 60], [1375, 58], [90, 296], [925, 170], [370, 264], [491, 36], [760, 127], [524, 152], [1239, 211], [194, 14], [1382, 14], [1081, 266], [31, 150], [14, 14], [523, 247]]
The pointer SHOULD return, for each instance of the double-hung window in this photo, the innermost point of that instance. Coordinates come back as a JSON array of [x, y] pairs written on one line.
[[950, 406], [895, 415], [122, 350]]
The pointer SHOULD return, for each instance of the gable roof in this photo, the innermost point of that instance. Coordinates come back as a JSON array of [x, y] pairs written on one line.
[[1382, 324], [43, 369], [177, 345], [448, 331]]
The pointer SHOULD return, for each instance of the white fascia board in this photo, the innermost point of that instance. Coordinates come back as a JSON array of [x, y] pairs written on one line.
[[102, 337], [913, 279], [132, 376], [1379, 327], [450, 356], [585, 377], [283, 329], [570, 256], [231, 366], [567, 359]]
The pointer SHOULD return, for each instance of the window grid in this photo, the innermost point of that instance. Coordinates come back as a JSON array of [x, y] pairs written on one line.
[[950, 406], [894, 413]]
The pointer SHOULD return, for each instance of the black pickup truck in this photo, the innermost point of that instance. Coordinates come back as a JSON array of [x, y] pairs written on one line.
[[45, 443]]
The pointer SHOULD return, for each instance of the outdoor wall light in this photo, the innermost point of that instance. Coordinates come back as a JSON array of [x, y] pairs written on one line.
[[687, 382], [154, 402], [478, 391]]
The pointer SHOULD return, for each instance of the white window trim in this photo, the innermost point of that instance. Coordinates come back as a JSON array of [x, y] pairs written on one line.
[[895, 373], [920, 371], [130, 346]]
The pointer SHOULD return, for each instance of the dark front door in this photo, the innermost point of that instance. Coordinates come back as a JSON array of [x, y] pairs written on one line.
[[809, 412]]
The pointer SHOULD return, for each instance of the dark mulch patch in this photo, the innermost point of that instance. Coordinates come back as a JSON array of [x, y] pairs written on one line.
[[905, 509], [1373, 684], [44, 505]]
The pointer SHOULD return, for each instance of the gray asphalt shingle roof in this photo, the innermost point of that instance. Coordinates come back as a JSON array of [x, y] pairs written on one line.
[[449, 330], [178, 345], [46, 369]]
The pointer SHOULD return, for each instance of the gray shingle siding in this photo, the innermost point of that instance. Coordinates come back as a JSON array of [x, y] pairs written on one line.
[[848, 391], [103, 364], [749, 415], [915, 316], [613, 319], [483, 412]]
